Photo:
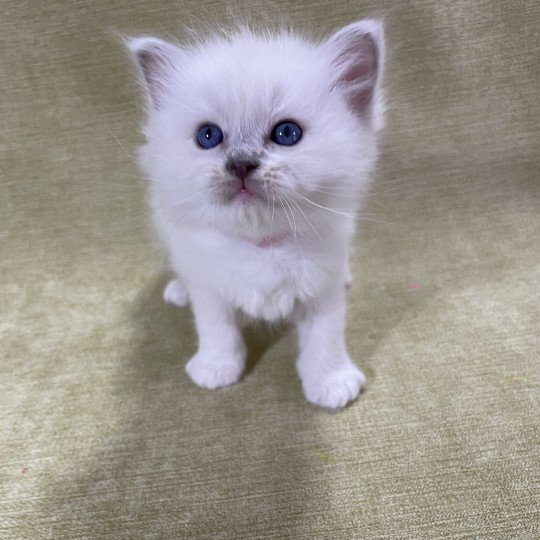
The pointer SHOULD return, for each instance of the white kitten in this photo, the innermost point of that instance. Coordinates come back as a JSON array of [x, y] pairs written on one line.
[[259, 146]]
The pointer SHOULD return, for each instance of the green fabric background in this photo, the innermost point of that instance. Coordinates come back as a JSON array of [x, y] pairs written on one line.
[[102, 435]]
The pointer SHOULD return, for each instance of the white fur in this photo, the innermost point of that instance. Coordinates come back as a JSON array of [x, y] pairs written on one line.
[[175, 293], [246, 83]]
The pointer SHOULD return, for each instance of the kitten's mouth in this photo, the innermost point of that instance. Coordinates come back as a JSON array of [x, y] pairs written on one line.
[[244, 196], [243, 192]]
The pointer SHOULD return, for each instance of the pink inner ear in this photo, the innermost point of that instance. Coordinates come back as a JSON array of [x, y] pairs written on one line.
[[153, 70], [358, 63], [156, 59], [361, 58]]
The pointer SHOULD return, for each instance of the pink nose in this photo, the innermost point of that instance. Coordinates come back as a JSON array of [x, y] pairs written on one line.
[[241, 169]]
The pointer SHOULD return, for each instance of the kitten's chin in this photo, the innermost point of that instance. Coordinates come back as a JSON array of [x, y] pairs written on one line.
[[249, 210], [251, 218]]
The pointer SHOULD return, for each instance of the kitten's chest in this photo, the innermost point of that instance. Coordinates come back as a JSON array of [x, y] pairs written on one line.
[[264, 282], [268, 283]]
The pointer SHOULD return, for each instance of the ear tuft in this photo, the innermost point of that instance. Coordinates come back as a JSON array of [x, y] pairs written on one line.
[[156, 60], [357, 53]]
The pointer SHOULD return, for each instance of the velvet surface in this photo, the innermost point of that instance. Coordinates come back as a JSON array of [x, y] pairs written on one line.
[[102, 434]]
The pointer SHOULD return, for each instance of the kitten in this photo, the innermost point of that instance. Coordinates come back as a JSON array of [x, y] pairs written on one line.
[[259, 146]]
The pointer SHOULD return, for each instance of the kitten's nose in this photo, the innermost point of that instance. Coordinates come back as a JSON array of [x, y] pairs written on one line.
[[241, 169]]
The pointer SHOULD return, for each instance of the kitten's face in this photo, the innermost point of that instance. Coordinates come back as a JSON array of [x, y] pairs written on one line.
[[243, 133]]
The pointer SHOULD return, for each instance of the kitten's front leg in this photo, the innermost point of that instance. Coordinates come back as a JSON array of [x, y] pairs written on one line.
[[221, 357], [329, 377]]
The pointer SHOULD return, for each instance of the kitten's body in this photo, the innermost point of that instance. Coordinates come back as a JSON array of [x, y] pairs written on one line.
[[274, 245]]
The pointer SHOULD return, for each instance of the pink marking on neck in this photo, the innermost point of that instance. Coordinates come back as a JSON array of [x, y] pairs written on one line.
[[274, 240]]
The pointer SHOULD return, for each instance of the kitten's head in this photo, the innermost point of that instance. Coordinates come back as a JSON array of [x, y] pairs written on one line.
[[248, 130]]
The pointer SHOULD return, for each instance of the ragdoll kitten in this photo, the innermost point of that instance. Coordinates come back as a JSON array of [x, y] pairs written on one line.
[[259, 146]]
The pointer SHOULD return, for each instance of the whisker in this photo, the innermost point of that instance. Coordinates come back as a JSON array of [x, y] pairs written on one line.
[[192, 196], [119, 143], [362, 217], [334, 193], [375, 220], [360, 195], [321, 206], [325, 186], [295, 234], [293, 227], [273, 210], [292, 201]]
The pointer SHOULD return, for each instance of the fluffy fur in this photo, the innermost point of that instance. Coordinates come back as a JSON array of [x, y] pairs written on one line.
[[281, 249]]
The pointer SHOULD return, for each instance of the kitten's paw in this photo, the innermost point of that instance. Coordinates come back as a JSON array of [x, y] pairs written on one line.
[[210, 372], [176, 294], [334, 389]]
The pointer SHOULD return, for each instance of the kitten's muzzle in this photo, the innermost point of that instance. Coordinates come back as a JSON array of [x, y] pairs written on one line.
[[241, 169]]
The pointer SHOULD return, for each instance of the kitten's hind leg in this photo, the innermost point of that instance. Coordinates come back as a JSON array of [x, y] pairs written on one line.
[[175, 293]]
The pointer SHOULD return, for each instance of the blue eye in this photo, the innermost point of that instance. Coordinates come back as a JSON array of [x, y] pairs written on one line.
[[286, 133], [209, 136]]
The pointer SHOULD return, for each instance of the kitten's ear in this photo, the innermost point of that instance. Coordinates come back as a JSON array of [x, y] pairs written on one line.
[[357, 55], [157, 61]]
